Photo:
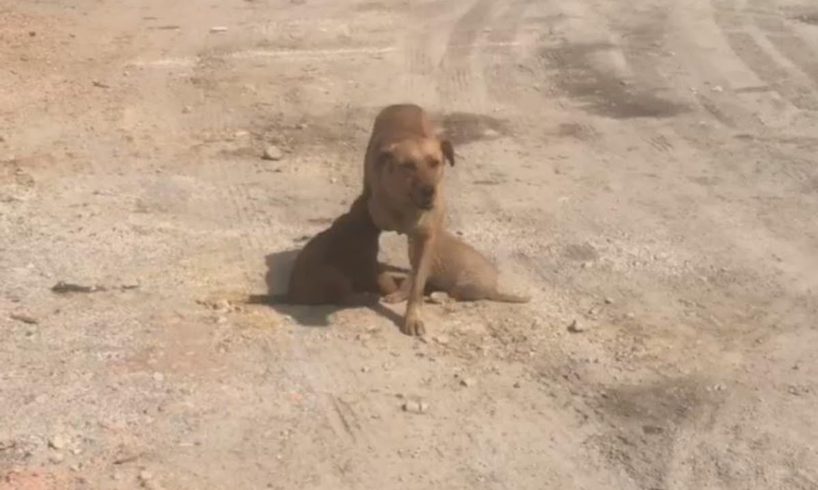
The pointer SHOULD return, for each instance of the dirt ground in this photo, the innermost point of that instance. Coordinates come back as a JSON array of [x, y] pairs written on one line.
[[645, 170]]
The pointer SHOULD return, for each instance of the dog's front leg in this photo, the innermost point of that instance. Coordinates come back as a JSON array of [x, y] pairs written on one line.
[[420, 254]]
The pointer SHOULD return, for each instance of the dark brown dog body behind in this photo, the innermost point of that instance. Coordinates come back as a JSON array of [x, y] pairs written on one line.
[[340, 264], [403, 172]]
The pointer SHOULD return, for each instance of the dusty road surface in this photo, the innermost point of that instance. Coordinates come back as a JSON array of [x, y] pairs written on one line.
[[646, 170]]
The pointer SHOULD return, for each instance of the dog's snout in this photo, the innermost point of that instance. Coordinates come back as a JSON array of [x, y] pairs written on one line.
[[427, 191]]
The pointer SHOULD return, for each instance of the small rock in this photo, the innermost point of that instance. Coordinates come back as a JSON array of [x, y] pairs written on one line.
[[21, 317], [576, 327], [365, 369], [415, 406], [145, 475], [56, 458], [98, 84], [158, 377], [187, 109], [468, 382], [442, 339], [718, 88], [439, 298], [630, 316], [218, 29], [59, 441], [609, 300], [272, 152], [516, 384], [301, 126]]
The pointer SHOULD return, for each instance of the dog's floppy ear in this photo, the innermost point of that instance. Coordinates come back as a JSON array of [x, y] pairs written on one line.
[[448, 150]]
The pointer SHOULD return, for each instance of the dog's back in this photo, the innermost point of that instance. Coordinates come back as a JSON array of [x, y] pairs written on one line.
[[337, 261]]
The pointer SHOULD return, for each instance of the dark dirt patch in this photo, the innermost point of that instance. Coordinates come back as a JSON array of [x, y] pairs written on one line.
[[600, 91], [645, 420], [582, 252], [810, 18], [464, 127], [578, 131]]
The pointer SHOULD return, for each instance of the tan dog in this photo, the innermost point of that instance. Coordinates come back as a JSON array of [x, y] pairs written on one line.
[[462, 272], [403, 170], [340, 264]]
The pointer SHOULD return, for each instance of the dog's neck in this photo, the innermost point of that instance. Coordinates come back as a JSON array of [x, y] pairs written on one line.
[[389, 216]]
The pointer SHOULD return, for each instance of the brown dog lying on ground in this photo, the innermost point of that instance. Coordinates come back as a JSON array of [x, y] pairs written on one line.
[[340, 264], [403, 170], [460, 271]]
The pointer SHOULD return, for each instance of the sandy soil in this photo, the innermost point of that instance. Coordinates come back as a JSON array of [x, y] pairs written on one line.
[[646, 170]]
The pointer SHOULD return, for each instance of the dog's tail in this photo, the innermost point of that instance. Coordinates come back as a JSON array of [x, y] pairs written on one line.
[[508, 298], [266, 299]]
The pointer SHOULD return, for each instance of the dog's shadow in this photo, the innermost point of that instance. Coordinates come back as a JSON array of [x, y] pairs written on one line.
[[279, 266]]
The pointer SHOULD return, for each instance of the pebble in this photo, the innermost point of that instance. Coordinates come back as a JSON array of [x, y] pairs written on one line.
[[439, 298], [58, 441], [272, 152], [576, 327], [218, 29], [56, 458], [158, 377], [608, 300], [468, 382], [442, 339], [415, 406], [516, 384], [187, 109], [21, 317]]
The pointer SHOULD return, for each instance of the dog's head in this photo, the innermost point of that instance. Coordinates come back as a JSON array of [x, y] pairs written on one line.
[[412, 169]]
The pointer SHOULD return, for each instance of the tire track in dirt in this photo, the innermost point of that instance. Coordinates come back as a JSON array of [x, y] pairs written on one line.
[[457, 83], [784, 39], [764, 64], [649, 454], [502, 59]]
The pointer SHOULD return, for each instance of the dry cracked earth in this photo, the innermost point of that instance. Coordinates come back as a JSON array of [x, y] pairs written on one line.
[[645, 170]]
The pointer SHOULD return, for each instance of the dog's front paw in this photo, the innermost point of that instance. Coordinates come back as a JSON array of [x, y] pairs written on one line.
[[398, 296], [413, 325]]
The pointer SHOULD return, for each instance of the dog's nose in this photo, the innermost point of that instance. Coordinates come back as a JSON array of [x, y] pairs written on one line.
[[427, 191]]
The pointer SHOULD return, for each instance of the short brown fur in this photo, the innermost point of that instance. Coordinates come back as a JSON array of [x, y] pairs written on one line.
[[403, 172], [340, 264], [462, 272]]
